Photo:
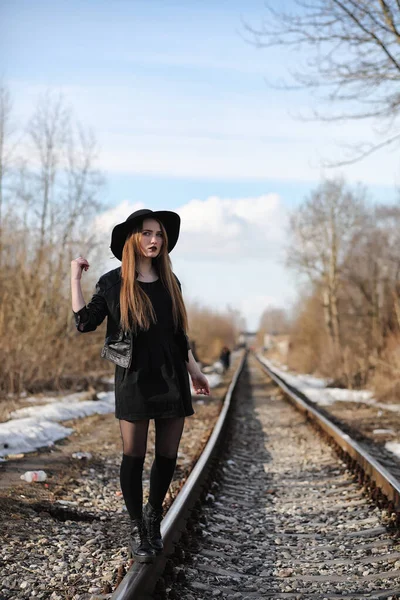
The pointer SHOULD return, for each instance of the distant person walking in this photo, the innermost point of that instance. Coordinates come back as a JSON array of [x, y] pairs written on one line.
[[146, 339], [225, 357]]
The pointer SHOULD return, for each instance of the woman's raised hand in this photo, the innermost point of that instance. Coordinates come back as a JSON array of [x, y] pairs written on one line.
[[77, 266]]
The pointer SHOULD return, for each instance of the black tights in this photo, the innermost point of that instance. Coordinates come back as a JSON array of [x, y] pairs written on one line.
[[134, 442]]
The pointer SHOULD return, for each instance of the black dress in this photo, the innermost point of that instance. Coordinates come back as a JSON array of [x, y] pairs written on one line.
[[157, 383]]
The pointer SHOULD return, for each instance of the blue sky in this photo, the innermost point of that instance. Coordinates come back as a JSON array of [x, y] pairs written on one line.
[[185, 121]]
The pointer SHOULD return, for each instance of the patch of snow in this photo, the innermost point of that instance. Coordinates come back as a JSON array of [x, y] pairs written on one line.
[[214, 379], [26, 435], [315, 388], [328, 396], [34, 427], [382, 431], [393, 447], [50, 399], [216, 367], [69, 407]]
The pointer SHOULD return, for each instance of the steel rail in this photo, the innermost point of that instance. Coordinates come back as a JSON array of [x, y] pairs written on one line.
[[140, 580], [389, 485]]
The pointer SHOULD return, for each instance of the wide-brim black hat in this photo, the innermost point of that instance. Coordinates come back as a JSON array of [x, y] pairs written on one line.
[[169, 219]]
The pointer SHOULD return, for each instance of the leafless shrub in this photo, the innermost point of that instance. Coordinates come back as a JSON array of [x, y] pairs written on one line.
[[323, 233], [308, 340], [211, 330], [348, 249], [48, 200], [273, 332]]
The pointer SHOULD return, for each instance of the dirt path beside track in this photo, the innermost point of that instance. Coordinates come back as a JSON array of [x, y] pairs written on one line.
[[50, 524]]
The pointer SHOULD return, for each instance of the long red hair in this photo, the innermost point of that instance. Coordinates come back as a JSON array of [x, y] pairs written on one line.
[[136, 308]]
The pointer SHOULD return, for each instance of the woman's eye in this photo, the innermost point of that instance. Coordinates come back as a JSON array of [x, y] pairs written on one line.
[[160, 235]]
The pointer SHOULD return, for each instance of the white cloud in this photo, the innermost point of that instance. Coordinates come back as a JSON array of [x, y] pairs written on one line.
[[229, 252], [232, 228], [105, 222], [221, 229]]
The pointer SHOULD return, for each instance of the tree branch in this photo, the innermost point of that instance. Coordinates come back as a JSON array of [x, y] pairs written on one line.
[[371, 150], [389, 18], [369, 33]]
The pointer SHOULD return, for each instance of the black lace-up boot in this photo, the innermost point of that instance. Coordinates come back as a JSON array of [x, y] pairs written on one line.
[[141, 549], [152, 520]]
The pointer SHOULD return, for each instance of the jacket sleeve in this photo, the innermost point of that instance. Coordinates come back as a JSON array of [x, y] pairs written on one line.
[[187, 347], [184, 340], [93, 314], [183, 343], [178, 282]]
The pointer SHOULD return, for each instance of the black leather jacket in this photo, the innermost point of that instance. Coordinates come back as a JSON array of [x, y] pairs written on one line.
[[118, 345]]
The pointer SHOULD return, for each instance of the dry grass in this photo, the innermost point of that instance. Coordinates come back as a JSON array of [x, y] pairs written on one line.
[[211, 330]]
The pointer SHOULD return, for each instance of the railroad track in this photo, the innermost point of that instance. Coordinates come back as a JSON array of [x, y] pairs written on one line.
[[377, 450], [368, 460], [279, 515]]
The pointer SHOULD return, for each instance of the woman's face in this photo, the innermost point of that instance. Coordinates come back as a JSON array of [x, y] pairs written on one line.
[[151, 238]]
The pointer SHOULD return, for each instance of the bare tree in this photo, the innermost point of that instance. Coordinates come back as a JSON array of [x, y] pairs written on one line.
[[354, 57], [79, 202], [323, 232], [385, 255], [54, 199], [274, 321], [211, 330], [6, 148], [48, 130]]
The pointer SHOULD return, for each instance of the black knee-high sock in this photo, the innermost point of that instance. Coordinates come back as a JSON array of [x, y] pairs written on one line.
[[161, 474], [131, 484]]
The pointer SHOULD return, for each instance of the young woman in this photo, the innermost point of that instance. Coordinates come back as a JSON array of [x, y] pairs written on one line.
[[146, 339]]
